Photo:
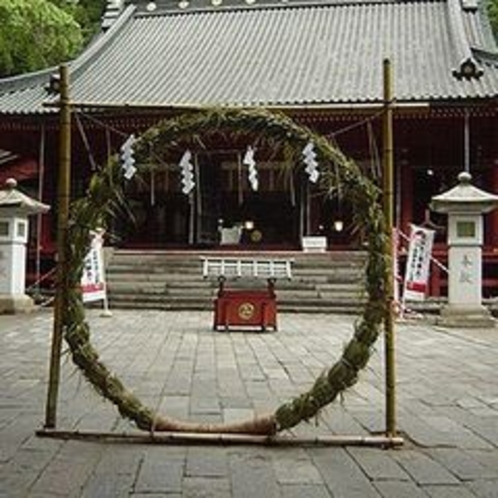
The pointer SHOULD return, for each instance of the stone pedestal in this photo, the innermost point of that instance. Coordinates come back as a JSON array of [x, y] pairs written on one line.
[[465, 317], [15, 303]]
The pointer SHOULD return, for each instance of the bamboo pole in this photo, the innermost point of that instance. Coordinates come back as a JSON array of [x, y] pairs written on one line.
[[388, 184], [339, 108], [63, 193], [223, 438]]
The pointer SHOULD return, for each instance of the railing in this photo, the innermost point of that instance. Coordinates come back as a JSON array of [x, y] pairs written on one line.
[[269, 268]]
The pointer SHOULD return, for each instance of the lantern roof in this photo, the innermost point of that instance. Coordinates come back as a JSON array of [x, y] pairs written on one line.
[[464, 197], [13, 199]]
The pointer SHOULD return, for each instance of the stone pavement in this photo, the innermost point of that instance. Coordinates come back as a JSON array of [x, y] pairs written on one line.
[[447, 406]]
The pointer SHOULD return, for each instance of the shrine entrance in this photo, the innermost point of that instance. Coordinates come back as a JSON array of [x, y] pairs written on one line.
[[223, 211]]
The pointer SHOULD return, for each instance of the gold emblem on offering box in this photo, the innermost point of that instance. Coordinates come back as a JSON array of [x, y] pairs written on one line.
[[246, 311]]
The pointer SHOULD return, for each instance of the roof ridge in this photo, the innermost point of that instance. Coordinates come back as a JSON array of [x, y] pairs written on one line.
[[488, 36], [160, 7], [467, 67], [112, 11], [86, 57], [485, 56], [25, 80]]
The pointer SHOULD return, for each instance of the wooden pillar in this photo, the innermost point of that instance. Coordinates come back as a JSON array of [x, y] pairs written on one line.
[[406, 195], [315, 207]]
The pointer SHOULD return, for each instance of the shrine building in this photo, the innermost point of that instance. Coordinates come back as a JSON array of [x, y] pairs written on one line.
[[320, 62]]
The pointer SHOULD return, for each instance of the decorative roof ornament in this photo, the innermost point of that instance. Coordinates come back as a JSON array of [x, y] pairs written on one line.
[[111, 13], [470, 5], [468, 69], [461, 45]]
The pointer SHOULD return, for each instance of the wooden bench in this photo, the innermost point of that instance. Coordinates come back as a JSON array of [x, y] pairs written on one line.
[[246, 307]]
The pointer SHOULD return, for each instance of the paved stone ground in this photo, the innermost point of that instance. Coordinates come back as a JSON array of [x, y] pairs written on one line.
[[447, 406]]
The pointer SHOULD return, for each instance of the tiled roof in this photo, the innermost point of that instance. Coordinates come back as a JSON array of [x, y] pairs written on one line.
[[287, 54]]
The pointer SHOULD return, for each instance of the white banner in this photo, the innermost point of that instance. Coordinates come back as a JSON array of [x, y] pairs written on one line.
[[93, 285], [251, 168], [418, 263]]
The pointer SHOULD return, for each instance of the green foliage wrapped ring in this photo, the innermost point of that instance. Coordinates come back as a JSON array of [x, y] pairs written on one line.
[[339, 175]]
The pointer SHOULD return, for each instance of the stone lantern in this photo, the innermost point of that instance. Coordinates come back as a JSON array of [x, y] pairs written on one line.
[[15, 207], [465, 206]]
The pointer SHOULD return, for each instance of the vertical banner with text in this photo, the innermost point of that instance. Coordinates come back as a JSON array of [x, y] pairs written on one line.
[[93, 285], [418, 263]]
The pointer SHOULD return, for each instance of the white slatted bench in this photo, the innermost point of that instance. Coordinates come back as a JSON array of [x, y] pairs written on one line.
[[246, 307]]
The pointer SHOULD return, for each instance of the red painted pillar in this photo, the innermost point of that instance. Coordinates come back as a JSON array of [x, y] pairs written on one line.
[[406, 195], [491, 238], [315, 207]]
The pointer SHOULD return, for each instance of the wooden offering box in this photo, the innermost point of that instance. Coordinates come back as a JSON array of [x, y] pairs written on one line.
[[246, 307]]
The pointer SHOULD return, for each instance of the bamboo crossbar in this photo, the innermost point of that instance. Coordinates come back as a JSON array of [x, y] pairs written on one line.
[[330, 107], [179, 438]]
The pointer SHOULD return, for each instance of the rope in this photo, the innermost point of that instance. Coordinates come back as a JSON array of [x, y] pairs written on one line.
[[374, 152], [355, 125], [86, 144]]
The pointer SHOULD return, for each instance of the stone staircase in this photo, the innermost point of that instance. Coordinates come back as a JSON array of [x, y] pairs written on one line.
[[329, 282]]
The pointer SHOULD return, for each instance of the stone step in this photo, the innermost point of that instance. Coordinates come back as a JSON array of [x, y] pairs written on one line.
[[163, 280], [194, 262], [294, 295], [317, 306], [188, 260], [164, 285]]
